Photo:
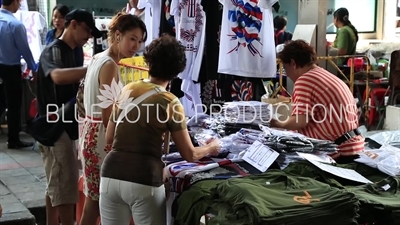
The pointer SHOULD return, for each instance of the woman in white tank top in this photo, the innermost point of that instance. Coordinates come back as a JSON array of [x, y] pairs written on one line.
[[126, 35]]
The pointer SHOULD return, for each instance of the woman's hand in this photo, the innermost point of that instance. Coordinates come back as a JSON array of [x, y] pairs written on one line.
[[274, 123], [215, 145]]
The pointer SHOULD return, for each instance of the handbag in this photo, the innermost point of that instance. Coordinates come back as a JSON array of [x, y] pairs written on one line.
[[47, 129]]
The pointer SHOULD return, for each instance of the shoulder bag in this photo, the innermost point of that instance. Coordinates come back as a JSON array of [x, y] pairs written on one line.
[[47, 129]]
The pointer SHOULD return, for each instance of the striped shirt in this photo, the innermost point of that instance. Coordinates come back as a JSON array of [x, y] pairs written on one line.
[[330, 106]]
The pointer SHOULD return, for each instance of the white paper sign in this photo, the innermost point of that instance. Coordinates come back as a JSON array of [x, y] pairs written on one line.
[[318, 158], [341, 172], [260, 156]]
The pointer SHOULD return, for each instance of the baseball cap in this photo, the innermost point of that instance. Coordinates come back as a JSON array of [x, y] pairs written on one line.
[[86, 17]]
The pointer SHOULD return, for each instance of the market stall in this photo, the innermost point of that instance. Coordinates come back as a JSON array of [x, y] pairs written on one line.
[[268, 176]]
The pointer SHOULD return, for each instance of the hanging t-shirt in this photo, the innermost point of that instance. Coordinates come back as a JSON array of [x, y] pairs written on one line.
[[190, 26], [213, 10], [35, 23], [247, 39], [152, 18], [190, 30], [167, 22]]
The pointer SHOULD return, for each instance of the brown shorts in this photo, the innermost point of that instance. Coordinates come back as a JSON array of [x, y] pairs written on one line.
[[61, 167]]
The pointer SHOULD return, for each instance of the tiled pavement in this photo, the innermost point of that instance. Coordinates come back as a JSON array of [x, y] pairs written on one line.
[[22, 184]]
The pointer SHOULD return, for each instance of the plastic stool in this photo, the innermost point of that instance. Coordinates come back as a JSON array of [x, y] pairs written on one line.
[[376, 101], [81, 203]]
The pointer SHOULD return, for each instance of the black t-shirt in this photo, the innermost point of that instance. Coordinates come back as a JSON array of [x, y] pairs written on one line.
[[213, 9], [56, 55]]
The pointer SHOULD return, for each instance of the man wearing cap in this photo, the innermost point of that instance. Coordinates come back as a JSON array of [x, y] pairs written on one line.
[[13, 44], [57, 84]]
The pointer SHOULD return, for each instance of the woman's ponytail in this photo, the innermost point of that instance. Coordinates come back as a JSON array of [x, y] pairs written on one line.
[[354, 30]]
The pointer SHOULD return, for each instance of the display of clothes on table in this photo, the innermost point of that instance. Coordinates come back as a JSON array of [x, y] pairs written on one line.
[[182, 175], [300, 194], [294, 189]]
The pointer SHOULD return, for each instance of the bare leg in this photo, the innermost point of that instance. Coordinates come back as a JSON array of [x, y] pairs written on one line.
[[51, 213], [91, 212], [66, 214]]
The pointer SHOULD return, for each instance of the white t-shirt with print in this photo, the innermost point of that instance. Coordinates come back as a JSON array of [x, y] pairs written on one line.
[[35, 23], [247, 46], [190, 21]]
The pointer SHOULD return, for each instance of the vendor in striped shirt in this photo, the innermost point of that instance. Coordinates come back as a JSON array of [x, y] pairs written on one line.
[[323, 105]]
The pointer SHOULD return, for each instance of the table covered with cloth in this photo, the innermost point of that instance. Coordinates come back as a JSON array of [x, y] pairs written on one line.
[[183, 174], [300, 194]]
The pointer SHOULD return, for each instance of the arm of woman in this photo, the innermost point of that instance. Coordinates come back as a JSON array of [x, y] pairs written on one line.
[[190, 153], [110, 132], [181, 138], [108, 73], [302, 110]]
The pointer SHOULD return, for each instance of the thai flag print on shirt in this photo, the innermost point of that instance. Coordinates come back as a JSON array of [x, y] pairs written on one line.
[[242, 90], [247, 39]]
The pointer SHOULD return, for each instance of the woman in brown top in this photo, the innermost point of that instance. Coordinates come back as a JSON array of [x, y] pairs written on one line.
[[132, 173]]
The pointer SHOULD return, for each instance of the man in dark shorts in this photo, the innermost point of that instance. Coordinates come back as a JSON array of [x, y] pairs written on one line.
[[57, 84]]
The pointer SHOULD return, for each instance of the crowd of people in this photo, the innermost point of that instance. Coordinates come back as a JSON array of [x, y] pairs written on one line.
[[121, 160]]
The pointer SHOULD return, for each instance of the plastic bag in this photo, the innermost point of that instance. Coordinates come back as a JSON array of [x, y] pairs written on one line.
[[386, 159], [203, 137], [385, 138]]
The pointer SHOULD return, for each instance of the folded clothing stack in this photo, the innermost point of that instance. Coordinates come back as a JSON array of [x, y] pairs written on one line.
[[275, 198], [298, 144], [247, 112]]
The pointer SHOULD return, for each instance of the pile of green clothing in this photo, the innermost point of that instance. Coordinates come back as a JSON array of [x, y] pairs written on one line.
[[301, 194], [276, 198], [379, 201]]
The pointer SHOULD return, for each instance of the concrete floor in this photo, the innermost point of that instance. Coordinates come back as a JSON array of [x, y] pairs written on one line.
[[22, 184]]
